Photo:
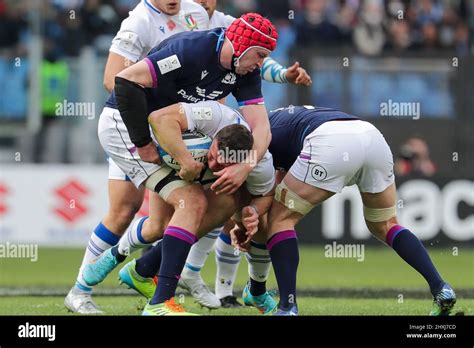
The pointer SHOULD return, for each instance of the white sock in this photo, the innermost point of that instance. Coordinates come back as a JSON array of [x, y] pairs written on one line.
[[227, 259], [258, 258], [101, 240], [132, 240], [198, 254]]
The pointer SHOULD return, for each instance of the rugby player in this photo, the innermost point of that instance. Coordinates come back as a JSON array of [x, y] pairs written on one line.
[[231, 134], [168, 79], [323, 150], [147, 26], [227, 257]]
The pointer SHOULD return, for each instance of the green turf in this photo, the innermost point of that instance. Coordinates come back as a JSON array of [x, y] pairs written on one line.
[[381, 268], [132, 305]]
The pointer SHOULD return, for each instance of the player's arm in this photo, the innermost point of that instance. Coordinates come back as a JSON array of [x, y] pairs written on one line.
[[127, 47], [168, 124], [257, 118], [132, 103], [115, 64], [248, 220], [162, 66], [272, 71]]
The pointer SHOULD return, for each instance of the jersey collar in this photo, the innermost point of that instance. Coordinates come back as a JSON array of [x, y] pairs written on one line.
[[150, 6]]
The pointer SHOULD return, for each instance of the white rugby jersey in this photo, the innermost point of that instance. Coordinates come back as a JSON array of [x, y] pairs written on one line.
[[220, 19], [146, 27]]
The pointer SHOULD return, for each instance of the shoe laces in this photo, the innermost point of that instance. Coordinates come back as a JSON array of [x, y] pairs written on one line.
[[88, 304], [202, 287], [173, 306]]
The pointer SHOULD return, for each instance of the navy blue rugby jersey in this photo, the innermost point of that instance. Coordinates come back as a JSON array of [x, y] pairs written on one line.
[[289, 127], [186, 68]]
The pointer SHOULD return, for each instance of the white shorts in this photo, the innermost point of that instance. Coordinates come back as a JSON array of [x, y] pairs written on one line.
[[344, 153], [115, 141], [125, 163], [115, 173]]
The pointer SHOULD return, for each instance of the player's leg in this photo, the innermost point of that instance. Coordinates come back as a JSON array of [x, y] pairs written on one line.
[[227, 261], [115, 141], [142, 270], [191, 279], [190, 204], [293, 200], [124, 201], [217, 209], [378, 192], [140, 274], [377, 208], [259, 263], [220, 208]]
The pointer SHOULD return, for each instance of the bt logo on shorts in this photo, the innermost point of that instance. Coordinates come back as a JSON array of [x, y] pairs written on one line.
[[318, 173]]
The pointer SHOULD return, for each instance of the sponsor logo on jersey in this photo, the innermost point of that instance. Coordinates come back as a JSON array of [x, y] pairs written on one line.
[[162, 29], [168, 64], [204, 74], [190, 22], [202, 93], [229, 79], [171, 24], [187, 97], [204, 113], [127, 39]]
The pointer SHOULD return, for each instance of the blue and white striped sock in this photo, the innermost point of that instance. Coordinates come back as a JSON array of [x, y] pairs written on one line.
[[227, 259], [133, 240], [258, 259], [198, 254], [101, 239]]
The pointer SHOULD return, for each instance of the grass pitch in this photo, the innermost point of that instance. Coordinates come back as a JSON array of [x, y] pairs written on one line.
[[382, 284]]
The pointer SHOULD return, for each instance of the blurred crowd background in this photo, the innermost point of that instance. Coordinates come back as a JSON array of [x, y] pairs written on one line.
[[360, 53]]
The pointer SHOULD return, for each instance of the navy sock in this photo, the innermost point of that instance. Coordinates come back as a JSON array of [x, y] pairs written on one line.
[[117, 255], [149, 264], [175, 249], [257, 288], [283, 248], [410, 249]]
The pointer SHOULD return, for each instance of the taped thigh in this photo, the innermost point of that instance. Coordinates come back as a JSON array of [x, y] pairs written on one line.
[[291, 200]]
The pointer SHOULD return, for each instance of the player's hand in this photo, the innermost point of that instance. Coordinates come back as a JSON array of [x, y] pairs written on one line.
[[190, 170], [148, 153], [239, 239], [298, 75], [231, 178], [250, 220]]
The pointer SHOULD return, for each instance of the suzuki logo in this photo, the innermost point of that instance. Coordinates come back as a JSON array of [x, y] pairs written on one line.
[[71, 195]]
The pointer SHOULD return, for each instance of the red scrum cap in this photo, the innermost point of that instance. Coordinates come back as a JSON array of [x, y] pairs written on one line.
[[251, 30]]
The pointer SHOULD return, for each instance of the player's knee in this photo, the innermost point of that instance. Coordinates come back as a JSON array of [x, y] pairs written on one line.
[[157, 227], [122, 218], [380, 228]]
